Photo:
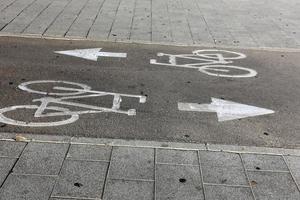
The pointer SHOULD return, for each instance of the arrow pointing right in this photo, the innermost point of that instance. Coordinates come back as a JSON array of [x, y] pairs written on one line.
[[226, 110]]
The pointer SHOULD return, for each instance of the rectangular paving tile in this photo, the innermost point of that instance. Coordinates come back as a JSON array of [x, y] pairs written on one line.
[[264, 162], [294, 165], [41, 158], [220, 159], [12, 11], [132, 163], [275, 186], [27, 16], [123, 21], [129, 190], [85, 20], [48, 16], [177, 157], [89, 152], [104, 21], [20, 187], [6, 165], [81, 179], [178, 182], [224, 175], [11, 149], [219, 192], [5, 3], [64, 21], [141, 24]]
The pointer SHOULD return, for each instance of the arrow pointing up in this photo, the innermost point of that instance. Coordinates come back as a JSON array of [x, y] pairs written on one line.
[[91, 54], [226, 110]]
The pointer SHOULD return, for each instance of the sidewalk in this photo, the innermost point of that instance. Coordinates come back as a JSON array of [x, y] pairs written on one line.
[[56, 167], [240, 23]]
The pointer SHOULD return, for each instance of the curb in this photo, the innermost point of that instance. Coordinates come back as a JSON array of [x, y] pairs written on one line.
[[146, 144], [208, 45]]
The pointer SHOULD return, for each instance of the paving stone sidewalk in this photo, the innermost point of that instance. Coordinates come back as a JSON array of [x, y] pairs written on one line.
[[84, 168], [241, 23]]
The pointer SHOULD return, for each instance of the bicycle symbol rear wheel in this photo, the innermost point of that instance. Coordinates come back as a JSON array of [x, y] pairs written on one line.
[[3, 119]]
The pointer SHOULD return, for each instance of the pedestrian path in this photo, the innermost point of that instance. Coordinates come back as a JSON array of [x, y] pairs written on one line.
[[240, 23], [58, 167]]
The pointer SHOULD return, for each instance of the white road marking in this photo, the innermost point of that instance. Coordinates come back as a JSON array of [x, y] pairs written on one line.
[[61, 97], [212, 62], [226, 110], [91, 54]]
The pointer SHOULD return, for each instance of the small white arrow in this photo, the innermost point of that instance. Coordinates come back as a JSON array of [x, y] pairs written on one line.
[[91, 54], [226, 110]]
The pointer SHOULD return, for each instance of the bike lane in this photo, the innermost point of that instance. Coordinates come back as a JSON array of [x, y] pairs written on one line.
[[181, 103]]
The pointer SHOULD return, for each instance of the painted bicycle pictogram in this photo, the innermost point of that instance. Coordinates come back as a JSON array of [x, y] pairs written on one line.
[[212, 62], [62, 97]]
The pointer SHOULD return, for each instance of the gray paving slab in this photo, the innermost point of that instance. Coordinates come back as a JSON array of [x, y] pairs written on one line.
[[40, 24], [104, 21], [224, 175], [235, 23], [270, 185], [220, 159], [141, 22], [13, 10], [81, 179], [264, 162], [11, 149], [64, 21], [178, 182], [5, 3], [83, 23], [20, 187], [129, 190], [219, 192], [89, 152], [19, 24], [132, 163], [294, 165], [41, 158], [161, 30], [6, 165], [177, 157], [121, 28]]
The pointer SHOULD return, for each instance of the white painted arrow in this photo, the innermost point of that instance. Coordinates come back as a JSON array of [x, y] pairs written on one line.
[[226, 110], [91, 54]]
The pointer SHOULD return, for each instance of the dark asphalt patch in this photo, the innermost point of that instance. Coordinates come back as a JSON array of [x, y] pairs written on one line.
[[275, 87]]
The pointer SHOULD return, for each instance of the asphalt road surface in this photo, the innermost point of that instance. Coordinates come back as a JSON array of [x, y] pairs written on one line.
[[276, 87]]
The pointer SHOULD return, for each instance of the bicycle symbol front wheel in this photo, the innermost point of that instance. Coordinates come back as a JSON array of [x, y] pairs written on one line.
[[224, 71], [6, 120]]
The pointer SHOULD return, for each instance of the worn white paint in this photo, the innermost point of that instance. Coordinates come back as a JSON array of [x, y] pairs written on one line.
[[91, 54], [66, 94], [226, 110], [212, 62]]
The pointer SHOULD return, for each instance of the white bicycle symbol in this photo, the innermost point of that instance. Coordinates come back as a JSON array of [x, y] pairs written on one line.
[[209, 61], [78, 91]]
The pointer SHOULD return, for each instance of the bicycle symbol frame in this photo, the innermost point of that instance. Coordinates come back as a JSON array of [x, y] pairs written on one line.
[[209, 61], [66, 94]]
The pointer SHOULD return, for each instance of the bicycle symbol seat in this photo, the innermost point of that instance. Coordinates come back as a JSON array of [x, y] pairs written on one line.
[[61, 97], [212, 62]]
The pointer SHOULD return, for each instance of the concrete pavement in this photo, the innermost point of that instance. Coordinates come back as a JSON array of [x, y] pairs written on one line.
[[247, 23], [60, 167]]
